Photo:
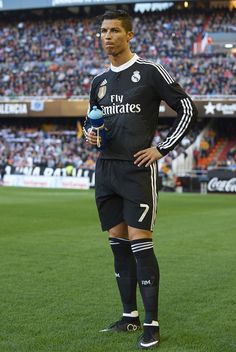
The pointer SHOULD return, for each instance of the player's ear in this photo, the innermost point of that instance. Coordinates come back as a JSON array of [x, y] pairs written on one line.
[[130, 35]]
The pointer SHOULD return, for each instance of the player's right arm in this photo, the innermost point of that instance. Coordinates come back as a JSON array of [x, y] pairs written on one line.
[[89, 134]]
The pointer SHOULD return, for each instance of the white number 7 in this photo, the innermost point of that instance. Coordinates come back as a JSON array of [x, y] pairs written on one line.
[[146, 206]]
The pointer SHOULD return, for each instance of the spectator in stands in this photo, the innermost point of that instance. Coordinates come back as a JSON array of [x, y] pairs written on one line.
[[3, 165], [204, 148], [231, 156]]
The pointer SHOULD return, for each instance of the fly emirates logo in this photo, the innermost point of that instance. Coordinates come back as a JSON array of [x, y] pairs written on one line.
[[117, 106]]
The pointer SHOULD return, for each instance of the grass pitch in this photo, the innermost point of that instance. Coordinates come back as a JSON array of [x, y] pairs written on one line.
[[57, 287]]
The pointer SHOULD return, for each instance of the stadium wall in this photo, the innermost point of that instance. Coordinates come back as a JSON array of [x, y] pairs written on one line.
[[221, 181]]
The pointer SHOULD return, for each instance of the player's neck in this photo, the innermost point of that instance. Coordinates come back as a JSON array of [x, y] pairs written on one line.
[[121, 58]]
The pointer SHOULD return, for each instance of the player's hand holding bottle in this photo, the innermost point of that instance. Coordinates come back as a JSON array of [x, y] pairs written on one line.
[[96, 135]]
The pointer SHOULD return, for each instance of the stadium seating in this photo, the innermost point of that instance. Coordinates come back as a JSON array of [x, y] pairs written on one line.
[[59, 57], [217, 146]]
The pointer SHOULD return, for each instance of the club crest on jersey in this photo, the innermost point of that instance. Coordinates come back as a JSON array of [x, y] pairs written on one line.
[[136, 77], [102, 89]]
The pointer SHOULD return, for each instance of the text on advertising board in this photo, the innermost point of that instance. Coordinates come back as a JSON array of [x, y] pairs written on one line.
[[226, 186]]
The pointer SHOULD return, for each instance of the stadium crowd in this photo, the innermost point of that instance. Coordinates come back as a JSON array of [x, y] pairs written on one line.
[[59, 57], [221, 21], [60, 147], [30, 147]]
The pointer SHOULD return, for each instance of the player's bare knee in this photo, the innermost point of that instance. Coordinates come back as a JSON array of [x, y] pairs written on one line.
[[120, 231], [136, 234]]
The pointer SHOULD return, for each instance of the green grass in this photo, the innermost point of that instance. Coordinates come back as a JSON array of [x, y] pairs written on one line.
[[57, 287]]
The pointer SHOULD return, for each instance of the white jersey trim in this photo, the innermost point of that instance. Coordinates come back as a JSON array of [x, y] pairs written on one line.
[[165, 74], [126, 65], [182, 126]]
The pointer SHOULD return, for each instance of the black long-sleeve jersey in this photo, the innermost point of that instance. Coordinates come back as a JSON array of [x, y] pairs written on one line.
[[129, 96]]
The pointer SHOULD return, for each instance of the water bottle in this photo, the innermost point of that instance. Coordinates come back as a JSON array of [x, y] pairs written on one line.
[[97, 122]]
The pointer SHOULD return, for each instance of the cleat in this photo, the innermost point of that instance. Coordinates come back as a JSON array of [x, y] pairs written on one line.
[[125, 324], [150, 337]]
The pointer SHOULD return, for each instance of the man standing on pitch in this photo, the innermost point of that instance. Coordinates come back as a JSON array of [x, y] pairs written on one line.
[[129, 94]]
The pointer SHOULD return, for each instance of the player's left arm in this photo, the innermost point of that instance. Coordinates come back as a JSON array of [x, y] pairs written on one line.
[[172, 93]]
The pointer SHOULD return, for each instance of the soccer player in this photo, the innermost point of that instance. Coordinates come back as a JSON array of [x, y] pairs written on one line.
[[129, 93]]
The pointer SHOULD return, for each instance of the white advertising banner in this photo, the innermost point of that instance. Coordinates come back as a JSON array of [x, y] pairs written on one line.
[[47, 182]]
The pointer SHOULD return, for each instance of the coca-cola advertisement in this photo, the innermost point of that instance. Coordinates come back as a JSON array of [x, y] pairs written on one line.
[[221, 181]]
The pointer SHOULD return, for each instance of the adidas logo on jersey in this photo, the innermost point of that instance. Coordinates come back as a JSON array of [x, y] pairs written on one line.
[[103, 82]]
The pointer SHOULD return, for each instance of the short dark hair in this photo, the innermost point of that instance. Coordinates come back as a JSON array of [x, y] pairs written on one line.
[[120, 15]]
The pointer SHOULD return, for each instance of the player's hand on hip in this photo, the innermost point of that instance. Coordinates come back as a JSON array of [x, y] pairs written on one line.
[[147, 156], [91, 136]]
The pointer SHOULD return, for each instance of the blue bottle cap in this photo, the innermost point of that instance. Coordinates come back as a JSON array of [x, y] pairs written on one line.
[[95, 113]]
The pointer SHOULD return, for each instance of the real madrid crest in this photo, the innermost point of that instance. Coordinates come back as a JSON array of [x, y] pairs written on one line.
[[102, 89], [136, 77]]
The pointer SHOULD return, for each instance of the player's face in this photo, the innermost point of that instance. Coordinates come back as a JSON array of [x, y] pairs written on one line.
[[115, 39]]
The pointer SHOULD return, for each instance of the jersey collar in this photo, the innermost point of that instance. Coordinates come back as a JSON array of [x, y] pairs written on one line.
[[126, 65]]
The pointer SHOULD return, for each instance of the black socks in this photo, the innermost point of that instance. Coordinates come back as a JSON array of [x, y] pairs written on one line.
[[125, 271], [135, 261], [148, 277]]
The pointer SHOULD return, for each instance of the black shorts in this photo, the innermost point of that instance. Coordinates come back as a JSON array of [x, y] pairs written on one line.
[[126, 193]]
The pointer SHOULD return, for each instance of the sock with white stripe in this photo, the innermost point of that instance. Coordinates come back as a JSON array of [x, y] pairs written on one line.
[[125, 271], [148, 276]]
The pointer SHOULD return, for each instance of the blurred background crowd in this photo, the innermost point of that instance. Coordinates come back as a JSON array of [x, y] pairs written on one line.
[[57, 56], [56, 146], [54, 57]]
